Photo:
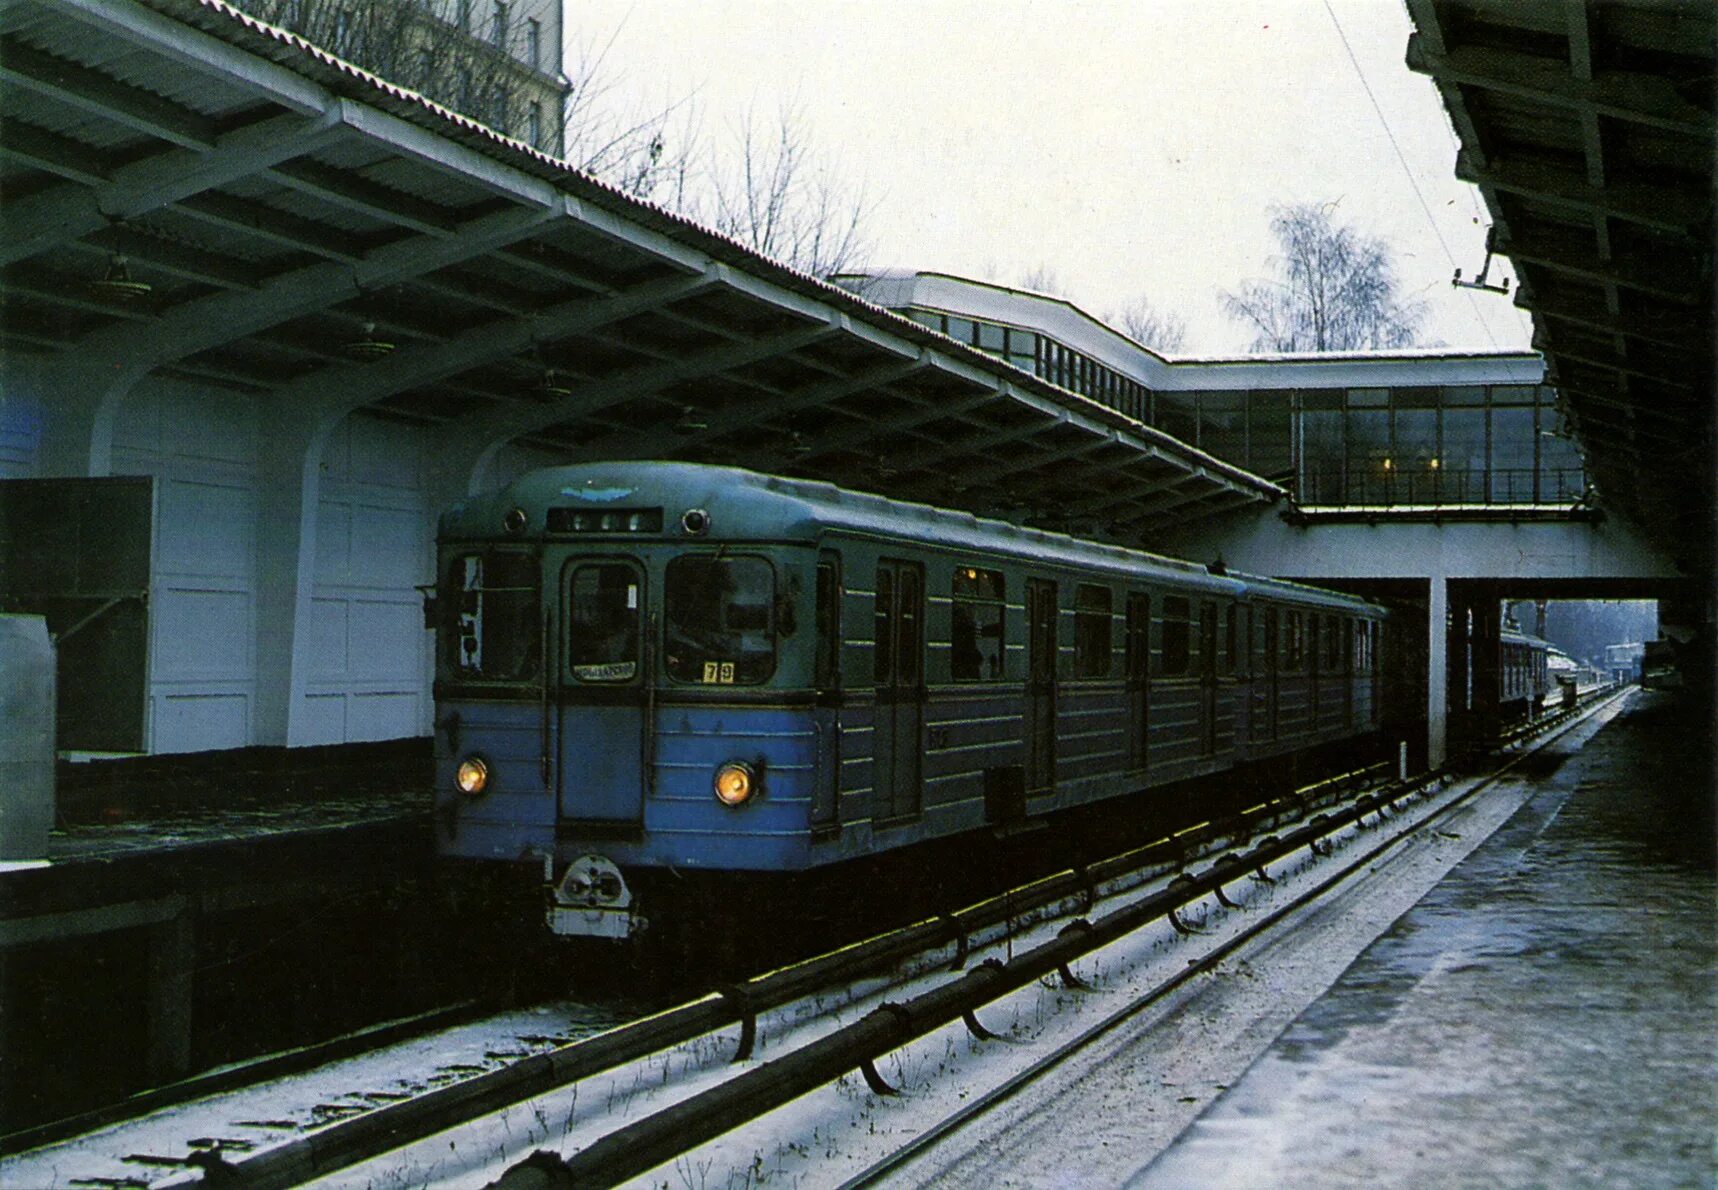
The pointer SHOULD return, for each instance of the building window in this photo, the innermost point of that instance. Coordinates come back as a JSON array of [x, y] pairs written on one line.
[[465, 14], [534, 124], [498, 26], [534, 43], [1092, 646]]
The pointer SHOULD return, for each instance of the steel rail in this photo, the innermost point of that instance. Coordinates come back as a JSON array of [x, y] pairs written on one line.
[[660, 1137], [987, 1102], [657, 1138], [347, 1142]]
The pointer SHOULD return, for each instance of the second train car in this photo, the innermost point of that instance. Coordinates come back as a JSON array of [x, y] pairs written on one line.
[[652, 667]]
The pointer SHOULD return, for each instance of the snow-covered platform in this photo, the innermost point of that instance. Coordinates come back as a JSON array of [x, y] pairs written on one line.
[[1547, 1015]]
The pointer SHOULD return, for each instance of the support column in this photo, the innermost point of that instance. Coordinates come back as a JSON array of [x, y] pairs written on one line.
[[1437, 671], [172, 964], [1487, 645], [289, 495]]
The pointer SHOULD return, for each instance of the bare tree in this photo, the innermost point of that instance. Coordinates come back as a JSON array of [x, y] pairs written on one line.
[[768, 188], [771, 191], [1043, 278], [1336, 289], [1146, 324]]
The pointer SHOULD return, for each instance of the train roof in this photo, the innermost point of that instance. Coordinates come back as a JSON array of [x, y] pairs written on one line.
[[749, 504]]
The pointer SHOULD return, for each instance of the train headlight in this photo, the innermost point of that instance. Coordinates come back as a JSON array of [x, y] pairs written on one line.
[[472, 776], [735, 783]]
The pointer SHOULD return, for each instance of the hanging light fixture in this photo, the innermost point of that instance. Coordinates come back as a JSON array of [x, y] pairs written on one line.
[[551, 387], [117, 286], [689, 422], [367, 348]]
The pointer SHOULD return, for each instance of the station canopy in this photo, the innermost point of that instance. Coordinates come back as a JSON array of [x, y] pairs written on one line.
[[328, 242], [1588, 126]]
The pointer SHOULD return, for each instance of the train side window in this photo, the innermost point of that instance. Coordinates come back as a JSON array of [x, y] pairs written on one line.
[[827, 675], [1175, 635], [1332, 644], [1138, 660], [1291, 642], [883, 653], [975, 625], [1232, 639], [909, 651], [1092, 637]]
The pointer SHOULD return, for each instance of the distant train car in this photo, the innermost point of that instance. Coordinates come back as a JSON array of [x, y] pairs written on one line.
[[650, 670], [1523, 673]]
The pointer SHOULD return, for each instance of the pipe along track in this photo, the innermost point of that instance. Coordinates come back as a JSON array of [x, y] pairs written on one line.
[[347, 1142], [675, 1130]]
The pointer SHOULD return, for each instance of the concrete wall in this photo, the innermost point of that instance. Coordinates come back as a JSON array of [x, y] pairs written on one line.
[[357, 642]]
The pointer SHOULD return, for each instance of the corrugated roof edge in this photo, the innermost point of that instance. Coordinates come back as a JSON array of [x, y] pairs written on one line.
[[243, 31]]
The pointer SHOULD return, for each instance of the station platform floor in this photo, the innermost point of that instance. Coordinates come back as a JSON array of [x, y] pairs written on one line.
[[1546, 1016]]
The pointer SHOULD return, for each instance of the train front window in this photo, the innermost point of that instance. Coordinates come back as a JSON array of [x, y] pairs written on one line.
[[494, 629], [720, 620], [603, 610]]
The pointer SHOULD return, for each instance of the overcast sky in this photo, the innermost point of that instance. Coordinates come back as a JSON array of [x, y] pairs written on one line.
[[1132, 146]]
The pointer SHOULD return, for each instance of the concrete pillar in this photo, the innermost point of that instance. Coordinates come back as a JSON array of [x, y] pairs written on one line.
[[1437, 671], [288, 502], [1487, 644], [172, 968]]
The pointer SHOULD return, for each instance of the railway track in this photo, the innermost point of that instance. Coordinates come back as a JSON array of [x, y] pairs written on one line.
[[534, 1082]]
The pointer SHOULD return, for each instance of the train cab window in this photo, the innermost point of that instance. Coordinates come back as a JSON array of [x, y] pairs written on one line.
[[719, 620], [1175, 636], [603, 612], [495, 632], [1092, 643], [975, 625]]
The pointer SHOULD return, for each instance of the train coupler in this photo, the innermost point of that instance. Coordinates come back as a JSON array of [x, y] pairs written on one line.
[[592, 900]]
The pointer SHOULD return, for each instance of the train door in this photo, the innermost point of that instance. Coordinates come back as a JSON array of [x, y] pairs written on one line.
[[1270, 656], [1040, 685], [826, 681], [1241, 665], [1342, 633], [1208, 678], [1139, 681], [1314, 660], [603, 738], [899, 717]]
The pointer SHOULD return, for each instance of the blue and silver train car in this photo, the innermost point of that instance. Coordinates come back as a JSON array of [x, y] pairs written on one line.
[[648, 667]]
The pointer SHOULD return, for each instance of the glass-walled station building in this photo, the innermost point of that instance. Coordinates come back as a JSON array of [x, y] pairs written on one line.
[[1342, 429]]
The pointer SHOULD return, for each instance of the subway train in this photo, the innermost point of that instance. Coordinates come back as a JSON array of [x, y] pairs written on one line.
[[1524, 676], [651, 670]]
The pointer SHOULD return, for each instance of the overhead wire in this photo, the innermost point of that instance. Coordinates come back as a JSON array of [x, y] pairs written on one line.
[[1406, 168]]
